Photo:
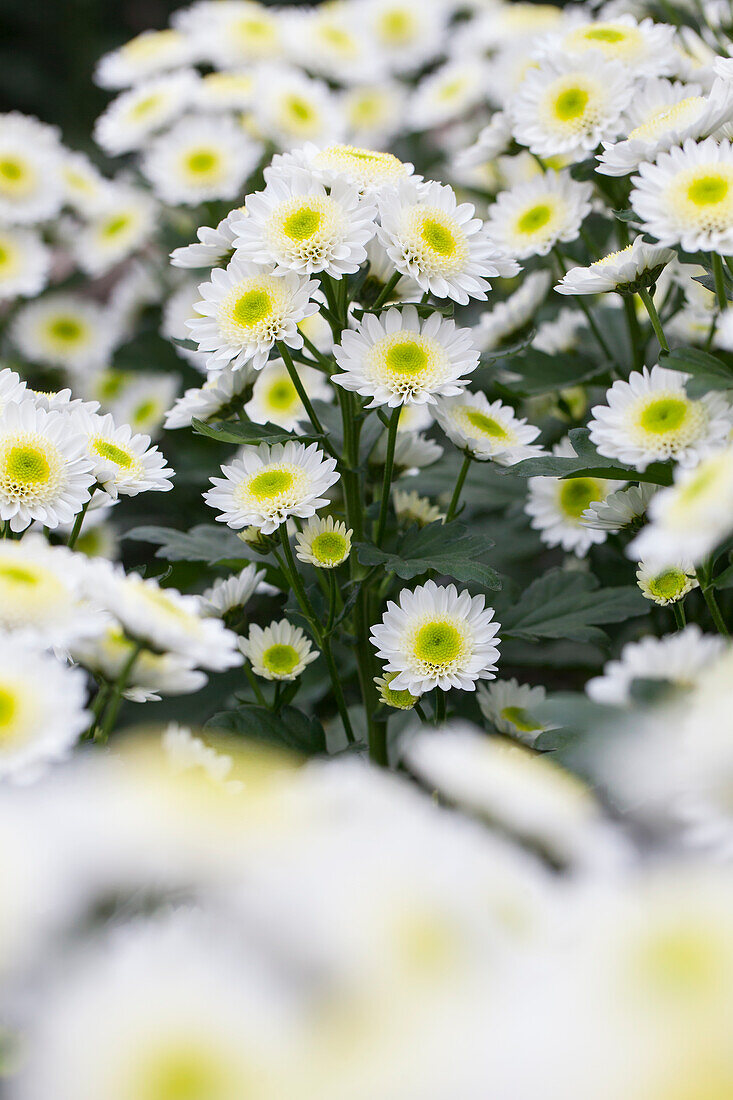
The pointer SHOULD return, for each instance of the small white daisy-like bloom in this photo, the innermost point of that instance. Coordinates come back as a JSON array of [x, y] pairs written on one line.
[[152, 675], [666, 584], [296, 225], [449, 92], [513, 313], [144, 56], [124, 463], [234, 593], [369, 170], [379, 274], [492, 140], [41, 710], [41, 594], [291, 108], [406, 33], [214, 246], [60, 401], [437, 637], [133, 117], [650, 418], [201, 158], [398, 700], [275, 399], [324, 543], [561, 334], [557, 506], [411, 508], [530, 219], [690, 518], [84, 185], [122, 223], [646, 48], [143, 403], [163, 619], [236, 34], [330, 41], [568, 104], [245, 310], [31, 188], [279, 652], [619, 509], [11, 387], [508, 706], [177, 311], [225, 91], [45, 473], [429, 236], [266, 485], [487, 430], [373, 113], [413, 450], [24, 263], [639, 264], [679, 658], [694, 116], [224, 389], [686, 197], [185, 753], [398, 359], [64, 330]]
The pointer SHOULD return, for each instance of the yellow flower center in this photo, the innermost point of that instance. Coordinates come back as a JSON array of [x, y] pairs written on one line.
[[112, 453], [329, 547], [203, 162], [406, 357], [520, 719], [612, 39], [303, 223], [252, 308], [8, 711], [709, 189], [27, 465], [115, 225], [280, 659], [664, 415], [300, 109], [438, 643], [146, 106], [485, 425], [16, 574], [65, 330], [578, 493], [438, 237], [668, 585], [271, 483], [535, 218], [571, 104], [16, 176], [396, 26], [282, 395], [702, 197]]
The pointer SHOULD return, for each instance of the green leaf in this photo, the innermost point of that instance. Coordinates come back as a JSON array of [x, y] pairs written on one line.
[[205, 542], [627, 215], [708, 372], [568, 604], [448, 549], [588, 463], [506, 351], [724, 579], [290, 729], [541, 373], [245, 432]]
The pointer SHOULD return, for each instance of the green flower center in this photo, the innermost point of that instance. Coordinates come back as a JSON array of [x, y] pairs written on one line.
[[202, 162], [681, 961], [397, 26], [28, 465], [16, 574], [520, 719], [302, 224], [115, 225], [183, 1075], [145, 106], [299, 108], [252, 307], [271, 483], [406, 358], [8, 708], [708, 190], [486, 425], [578, 494], [280, 659], [282, 394], [571, 103], [664, 415], [66, 329], [605, 34], [438, 643], [145, 411], [668, 585], [110, 451], [12, 171], [329, 546], [437, 237], [535, 218]]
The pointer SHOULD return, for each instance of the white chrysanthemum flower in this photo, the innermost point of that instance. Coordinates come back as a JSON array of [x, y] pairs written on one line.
[[329, 40], [143, 402], [492, 140], [487, 430], [373, 113], [650, 418], [646, 48], [45, 473], [133, 117], [223, 390], [279, 652], [24, 263], [226, 91], [369, 170], [694, 116], [41, 710], [398, 359], [152, 675], [619, 509], [275, 399], [406, 33], [561, 334], [236, 34], [201, 158], [266, 485], [398, 700], [41, 594], [446, 94], [144, 56], [290, 108], [666, 584], [530, 219], [245, 310], [413, 450], [378, 280], [124, 463], [513, 313], [60, 401], [163, 619], [557, 506], [31, 157], [690, 518], [324, 543], [508, 706], [638, 264], [568, 104], [84, 185], [177, 311], [296, 225], [11, 387], [411, 508], [678, 658], [686, 197], [439, 243], [64, 330], [437, 637], [123, 222], [214, 246], [234, 593]]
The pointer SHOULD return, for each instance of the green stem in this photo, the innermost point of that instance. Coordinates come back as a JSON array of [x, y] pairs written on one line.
[[113, 706], [388, 471], [421, 713], [100, 700], [580, 299], [327, 366], [338, 691], [679, 615], [654, 317], [719, 275], [710, 600], [728, 263], [76, 529], [332, 601], [255, 686], [440, 706], [300, 389], [386, 291], [453, 506]]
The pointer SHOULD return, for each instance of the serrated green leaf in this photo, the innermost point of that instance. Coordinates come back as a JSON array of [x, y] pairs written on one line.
[[206, 542], [507, 351], [588, 463], [708, 372], [290, 729], [245, 432], [449, 549], [564, 604]]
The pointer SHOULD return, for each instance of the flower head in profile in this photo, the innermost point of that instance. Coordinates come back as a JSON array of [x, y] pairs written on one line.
[[369, 170], [225, 387], [279, 652], [530, 219], [124, 463], [508, 706], [214, 246], [398, 700], [398, 359], [266, 485], [639, 264], [324, 543], [234, 593], [487, 430], [436, 637], [678, 658], [411, 508], [429, 236], [668, 584], [620, 509]]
